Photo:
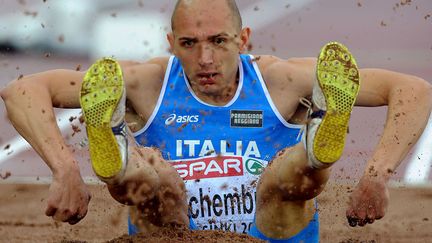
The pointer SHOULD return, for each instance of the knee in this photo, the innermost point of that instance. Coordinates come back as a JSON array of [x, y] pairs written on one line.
[[134, 190], [148, 155], [169, 183], [172, 185], [289, 177], [140, 180], [305, 189], [292, 155]]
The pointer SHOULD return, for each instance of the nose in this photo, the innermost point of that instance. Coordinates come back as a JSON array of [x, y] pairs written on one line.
[[205, 55]]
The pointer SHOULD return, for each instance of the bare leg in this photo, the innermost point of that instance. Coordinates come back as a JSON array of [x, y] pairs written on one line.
[[154, 188], [285, 193], [146, 181], [294, 178]]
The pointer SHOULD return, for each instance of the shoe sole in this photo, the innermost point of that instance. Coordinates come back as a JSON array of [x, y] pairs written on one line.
[[338, 77], [101, 91]]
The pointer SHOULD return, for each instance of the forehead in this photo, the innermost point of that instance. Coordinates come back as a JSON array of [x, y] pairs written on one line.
[[200, 19]]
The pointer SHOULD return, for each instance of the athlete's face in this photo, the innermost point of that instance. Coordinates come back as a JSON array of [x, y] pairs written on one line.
[[207, 41]]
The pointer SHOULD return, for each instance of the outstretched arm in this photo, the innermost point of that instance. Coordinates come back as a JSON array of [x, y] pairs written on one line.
[[29, 103], [409, 101]]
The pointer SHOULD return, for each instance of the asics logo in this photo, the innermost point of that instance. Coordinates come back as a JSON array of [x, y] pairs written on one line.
[[181, 119], [170, 119]]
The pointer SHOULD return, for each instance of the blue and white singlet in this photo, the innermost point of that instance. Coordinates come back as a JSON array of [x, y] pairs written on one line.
[[219, 152]]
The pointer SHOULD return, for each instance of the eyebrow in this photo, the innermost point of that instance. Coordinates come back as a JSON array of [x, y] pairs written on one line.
[[188, 38], [220, 34], [223, 34]]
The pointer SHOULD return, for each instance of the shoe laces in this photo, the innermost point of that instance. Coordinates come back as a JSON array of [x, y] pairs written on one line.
[[306, 103]]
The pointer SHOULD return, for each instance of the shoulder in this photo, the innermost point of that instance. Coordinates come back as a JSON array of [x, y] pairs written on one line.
[[298, 72], [146, 73], [158, 64], [162, 62], [270, 64]]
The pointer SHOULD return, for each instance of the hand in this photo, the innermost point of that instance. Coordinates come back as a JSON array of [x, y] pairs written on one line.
[[368, 202], [68, 198]]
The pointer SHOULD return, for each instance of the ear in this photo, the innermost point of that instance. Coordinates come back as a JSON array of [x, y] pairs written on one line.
[[171, 39], [244, 39]]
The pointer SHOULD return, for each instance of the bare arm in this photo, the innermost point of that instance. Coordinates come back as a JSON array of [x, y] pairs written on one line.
[[288, 81], [143, 86], [409, 101], [29, 102]]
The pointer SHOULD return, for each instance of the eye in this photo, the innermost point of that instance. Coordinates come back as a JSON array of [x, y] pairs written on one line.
[[219, 41], [187, 43]]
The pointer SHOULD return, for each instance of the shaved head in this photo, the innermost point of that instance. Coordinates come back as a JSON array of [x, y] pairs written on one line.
[[231, 4]]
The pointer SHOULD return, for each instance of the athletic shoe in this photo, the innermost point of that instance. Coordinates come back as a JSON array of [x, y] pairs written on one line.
[[103, 101], [334, 95]]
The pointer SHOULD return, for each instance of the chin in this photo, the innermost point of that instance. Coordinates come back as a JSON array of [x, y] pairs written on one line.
[[209, 89]]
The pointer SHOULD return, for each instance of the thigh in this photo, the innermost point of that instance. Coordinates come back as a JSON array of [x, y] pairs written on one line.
[[283, 170], [309, 234], [290, 177], [168, 204], [140, 179], [283, 207]]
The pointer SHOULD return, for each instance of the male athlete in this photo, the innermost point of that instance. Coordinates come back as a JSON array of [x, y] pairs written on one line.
[[215, 144]]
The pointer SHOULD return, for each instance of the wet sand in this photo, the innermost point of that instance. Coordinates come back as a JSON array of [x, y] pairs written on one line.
[[22, 219]]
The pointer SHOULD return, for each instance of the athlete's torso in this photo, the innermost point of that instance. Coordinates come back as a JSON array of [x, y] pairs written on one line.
[[220, 152]]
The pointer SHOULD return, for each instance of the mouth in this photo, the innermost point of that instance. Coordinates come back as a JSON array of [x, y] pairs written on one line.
[[207, 78]]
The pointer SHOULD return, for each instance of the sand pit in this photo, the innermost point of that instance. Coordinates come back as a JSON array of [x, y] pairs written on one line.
[[180, 235], [22, 219]]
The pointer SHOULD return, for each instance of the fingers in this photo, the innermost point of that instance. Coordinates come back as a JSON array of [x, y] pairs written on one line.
[[361, 222], [352, 221], [70, 214], [370, 215], [63, 215], [74, 219], [77, 217], [50, 210], [368, 202], [380, 212], [370, 220], [80, 213], [356, 220], [362, 215]]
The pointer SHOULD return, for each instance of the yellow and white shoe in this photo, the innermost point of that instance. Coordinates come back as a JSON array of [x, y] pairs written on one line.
[[334, 95], [103, 102]]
